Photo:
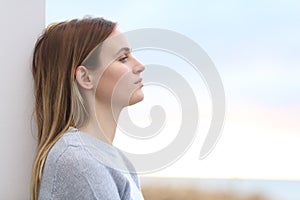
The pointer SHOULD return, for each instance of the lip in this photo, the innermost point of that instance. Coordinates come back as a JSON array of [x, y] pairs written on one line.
[[138, 81]]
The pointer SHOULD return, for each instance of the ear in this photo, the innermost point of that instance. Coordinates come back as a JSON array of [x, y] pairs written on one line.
[[83, 78]]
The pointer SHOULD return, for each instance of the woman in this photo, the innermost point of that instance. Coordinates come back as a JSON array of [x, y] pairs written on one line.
[[84, 75]]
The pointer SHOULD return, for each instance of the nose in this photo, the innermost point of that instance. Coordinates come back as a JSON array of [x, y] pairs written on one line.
[[138, 67]]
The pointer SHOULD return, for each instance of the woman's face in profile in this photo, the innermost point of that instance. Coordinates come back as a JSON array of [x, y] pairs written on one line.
[[119, 82]]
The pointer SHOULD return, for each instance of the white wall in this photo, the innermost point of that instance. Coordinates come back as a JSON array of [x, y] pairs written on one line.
[[21, 22]]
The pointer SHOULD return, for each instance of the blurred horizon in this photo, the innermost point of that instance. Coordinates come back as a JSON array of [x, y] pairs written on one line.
[[264, 189]]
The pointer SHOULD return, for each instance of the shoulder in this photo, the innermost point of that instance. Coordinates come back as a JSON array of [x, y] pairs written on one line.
[[82, 176], [73, 173]]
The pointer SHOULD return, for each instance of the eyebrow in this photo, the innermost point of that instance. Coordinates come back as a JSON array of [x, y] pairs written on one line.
[[127, 49]]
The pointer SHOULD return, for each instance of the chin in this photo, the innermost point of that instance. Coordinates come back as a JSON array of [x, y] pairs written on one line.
[[137, 97]]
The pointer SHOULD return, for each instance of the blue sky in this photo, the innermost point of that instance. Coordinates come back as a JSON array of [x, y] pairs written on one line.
[[255, 46]]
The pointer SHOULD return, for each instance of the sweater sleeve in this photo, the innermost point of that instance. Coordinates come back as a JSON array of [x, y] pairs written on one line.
[[80, 177]]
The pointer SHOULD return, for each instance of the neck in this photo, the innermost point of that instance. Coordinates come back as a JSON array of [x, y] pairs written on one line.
[[102, 123]]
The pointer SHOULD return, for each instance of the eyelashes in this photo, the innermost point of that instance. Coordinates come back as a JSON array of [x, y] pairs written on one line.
[[123, 58]]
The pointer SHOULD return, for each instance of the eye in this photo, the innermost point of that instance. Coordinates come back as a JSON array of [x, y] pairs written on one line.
[[123, 59]]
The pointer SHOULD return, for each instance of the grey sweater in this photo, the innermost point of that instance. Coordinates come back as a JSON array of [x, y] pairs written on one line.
[[81, 167]]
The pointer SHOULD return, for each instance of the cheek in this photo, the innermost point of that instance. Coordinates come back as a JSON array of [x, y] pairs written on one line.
[[114, 81]]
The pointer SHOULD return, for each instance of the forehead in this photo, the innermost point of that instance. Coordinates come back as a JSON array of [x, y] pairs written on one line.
[[110, 49], [106, 52], [114, 43]]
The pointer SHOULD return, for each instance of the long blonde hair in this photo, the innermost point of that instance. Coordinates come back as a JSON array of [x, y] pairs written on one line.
[[58, 102]]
